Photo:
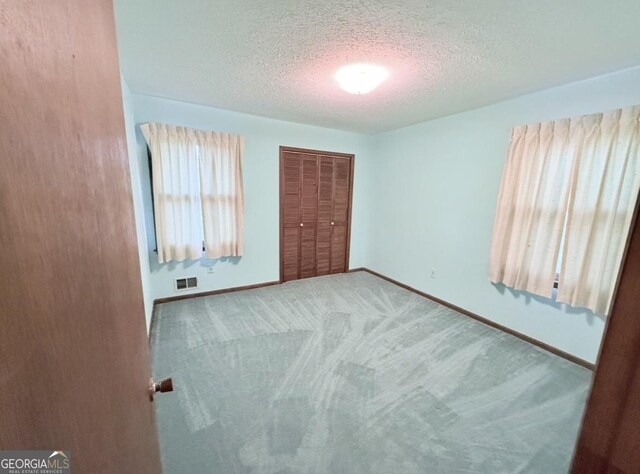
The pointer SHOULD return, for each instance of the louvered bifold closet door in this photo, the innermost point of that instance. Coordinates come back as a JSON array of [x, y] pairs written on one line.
[[308, 215], [340, 214], [315, 199], [325, 215], [290, 216]]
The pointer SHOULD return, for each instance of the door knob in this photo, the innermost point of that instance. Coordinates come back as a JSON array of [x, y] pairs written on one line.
[[301, 224], [332, 222], [164, 385]]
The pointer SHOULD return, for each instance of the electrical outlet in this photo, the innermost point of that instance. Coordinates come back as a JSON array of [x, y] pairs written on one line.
[[210, 269]]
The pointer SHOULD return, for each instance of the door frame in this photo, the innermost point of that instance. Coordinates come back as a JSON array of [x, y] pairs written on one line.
[[307, 151]]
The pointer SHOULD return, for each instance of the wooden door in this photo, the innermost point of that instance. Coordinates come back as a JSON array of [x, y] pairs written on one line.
[[308, 214], [315, 212], [341, 210], [325, 214], [298, 215], [290, 216], [334, 200], [73, 347], [609, 441]]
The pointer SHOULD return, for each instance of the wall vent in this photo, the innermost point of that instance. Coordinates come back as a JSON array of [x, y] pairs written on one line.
[[186, 283]]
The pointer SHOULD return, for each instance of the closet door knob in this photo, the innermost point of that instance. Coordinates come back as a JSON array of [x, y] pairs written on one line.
[[301, 224], [332, 222]]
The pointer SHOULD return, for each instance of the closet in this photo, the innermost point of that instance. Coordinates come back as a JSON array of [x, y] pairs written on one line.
[[315, 212]]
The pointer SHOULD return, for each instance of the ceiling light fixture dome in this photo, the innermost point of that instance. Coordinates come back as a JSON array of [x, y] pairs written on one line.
[[361, 78]]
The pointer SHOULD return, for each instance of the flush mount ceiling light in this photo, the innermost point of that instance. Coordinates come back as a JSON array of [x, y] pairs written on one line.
[[361, 78]]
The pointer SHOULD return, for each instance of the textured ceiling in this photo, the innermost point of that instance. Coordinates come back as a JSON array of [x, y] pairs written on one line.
[[277, 58]]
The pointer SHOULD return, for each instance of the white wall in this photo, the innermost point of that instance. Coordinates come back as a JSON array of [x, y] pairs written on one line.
[[138, 201], [435, 189], [263, 138]]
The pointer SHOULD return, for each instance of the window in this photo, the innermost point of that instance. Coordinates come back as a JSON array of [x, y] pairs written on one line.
[[197, 192], [565, 206]]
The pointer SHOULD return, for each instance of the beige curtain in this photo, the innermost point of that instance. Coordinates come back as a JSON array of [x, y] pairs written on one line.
[[176, 192], [222, 194], [604, 189], [531, 208], [569, 188]]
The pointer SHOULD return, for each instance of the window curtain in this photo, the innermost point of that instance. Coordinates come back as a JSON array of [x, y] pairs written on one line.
[[176, 192], [531, 208], [222, 193], [604, 189], [581, 175]]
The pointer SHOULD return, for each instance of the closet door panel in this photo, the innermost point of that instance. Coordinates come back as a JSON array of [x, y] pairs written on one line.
[[290, 216], [338, 249], [291, 253], [325, 213], [290, 190], [341, 185], [307, 253], [309, 189], [341, 193], [309, 215]]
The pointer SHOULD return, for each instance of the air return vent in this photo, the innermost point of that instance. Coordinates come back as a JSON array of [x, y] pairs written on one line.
[[186, 283]]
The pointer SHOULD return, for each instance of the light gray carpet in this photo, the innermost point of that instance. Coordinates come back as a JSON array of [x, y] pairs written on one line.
[[352, 374]]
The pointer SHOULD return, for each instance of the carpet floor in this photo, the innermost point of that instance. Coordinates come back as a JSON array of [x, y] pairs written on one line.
[[352, 374]]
